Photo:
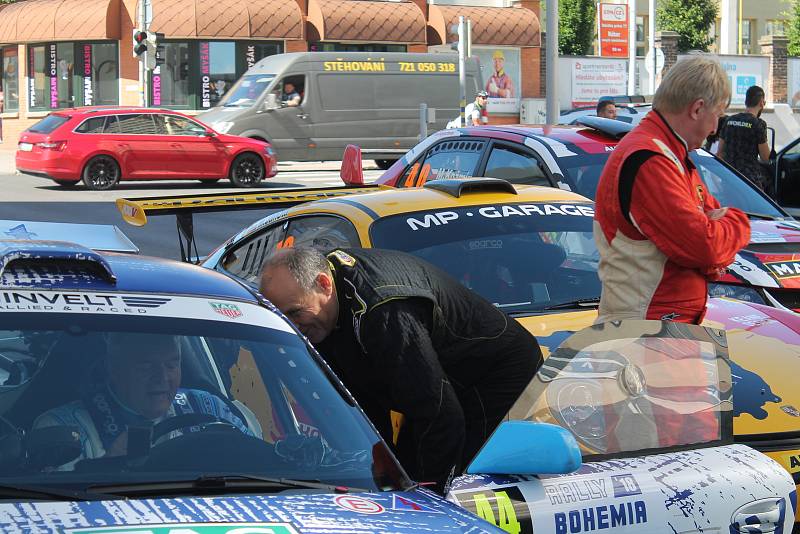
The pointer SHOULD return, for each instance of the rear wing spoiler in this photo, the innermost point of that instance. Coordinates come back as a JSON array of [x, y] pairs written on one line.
[[136, 211]]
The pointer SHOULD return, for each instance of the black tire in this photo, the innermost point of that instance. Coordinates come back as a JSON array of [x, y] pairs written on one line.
[[101, 173], [247, 170], [384, 164], [65, 183]]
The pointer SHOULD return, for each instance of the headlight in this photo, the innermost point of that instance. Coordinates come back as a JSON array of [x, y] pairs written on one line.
[[222, 127], [745, 293]]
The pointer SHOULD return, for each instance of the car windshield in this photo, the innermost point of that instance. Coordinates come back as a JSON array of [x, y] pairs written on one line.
[[583, 173], [246, 90], [158, 389], [48, 124], [630, 387], [524, 258]]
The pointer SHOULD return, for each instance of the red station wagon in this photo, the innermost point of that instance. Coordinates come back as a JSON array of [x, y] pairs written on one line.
[[102, 146]]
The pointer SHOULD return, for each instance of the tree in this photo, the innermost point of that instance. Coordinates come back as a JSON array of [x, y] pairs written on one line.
[[576, 26], [7, 1], [692, 19], [793, 28]]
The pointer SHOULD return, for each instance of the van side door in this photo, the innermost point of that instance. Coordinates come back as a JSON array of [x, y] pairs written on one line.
[[289, 126]]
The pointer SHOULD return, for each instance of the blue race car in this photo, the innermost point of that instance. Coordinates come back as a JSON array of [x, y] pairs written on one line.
[[144, 395]]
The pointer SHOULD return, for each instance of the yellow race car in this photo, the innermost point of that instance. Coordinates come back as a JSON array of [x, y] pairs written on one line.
[[527, 249]]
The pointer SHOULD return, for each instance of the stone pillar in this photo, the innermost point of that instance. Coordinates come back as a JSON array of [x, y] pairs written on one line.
[[774, 46], [667, 41]]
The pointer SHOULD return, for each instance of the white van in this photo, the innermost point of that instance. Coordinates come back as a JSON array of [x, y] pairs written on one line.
[[368, 99]]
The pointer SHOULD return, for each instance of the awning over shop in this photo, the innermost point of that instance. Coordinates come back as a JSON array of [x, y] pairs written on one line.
[[59, 20], [509, 26], [262, 19], [362, 20]]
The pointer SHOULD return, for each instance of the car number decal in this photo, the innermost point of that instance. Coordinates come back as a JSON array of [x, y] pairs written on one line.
[[504, 507]]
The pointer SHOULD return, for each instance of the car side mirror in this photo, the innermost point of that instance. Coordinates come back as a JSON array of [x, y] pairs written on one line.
[[210, 133], [351, 171], [527, 448], [270, 102]]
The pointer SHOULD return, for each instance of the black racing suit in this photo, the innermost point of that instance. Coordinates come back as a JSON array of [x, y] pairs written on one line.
[[412, 339]]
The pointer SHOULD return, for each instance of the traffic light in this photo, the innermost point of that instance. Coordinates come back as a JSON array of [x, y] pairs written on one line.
[[139, 42]]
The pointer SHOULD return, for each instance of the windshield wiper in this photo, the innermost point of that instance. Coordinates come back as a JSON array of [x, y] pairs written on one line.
[[27, 491], [762, 216], [217, 482], [578, 303]]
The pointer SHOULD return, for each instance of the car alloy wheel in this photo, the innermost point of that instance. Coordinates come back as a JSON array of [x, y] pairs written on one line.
[[247, 170], [101, 173]]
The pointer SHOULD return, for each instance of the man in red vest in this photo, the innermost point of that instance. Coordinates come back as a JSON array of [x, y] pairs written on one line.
[[661, 235]]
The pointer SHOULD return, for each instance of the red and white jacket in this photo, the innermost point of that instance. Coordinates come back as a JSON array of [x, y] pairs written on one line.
[[657, 246]]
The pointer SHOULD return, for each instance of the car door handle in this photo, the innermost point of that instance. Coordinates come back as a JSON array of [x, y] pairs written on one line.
[[302, 115], [175, 145], [765, 515]]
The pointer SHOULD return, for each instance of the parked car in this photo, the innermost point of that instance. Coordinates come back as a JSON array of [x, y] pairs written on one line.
[[529, 250], [346, 97], [105, 145], [572, 158], [254, 434]]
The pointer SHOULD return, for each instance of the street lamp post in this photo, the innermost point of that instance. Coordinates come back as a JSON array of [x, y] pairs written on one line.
[[551, 70]]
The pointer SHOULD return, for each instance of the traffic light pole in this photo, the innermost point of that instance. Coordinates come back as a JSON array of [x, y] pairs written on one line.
[[462, 66], [143, 64]]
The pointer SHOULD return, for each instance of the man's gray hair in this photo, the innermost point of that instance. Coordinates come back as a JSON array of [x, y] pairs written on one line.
[[304, 264], [699, 76]]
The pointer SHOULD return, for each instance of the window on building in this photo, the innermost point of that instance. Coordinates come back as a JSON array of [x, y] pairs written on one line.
[[36, 77], [746, 39], [63, 75], [9, 80], [196, 74], [775, 27], [356, 47], [641, 35], [104, 74], [170, 82]]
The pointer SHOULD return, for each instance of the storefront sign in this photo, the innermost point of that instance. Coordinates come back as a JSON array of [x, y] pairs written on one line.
[[743, 73], [205, 75], [501, 70], [87, 75], [53, 78], [612, 25], [157, 86], [32, 82], [595, 78], [250, 55]]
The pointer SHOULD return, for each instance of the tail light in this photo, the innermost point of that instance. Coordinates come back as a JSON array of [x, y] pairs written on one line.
[[58, 146]]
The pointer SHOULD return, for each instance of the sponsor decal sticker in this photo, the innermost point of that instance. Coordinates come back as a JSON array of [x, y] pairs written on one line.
[[625, 485], [404, 504], [20, 232], [441, 218], [359, 505], [601, 517], [792, 462], [504, 507], [791, 410], [228, 310], [192, 528], [784, 269]]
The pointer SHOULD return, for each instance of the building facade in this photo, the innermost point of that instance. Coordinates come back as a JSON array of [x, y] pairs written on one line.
[[58, 54]]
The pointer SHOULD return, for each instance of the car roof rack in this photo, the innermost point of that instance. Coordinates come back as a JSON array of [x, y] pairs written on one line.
[[31, 253], [612, 127], [105, 237], [458, 187]]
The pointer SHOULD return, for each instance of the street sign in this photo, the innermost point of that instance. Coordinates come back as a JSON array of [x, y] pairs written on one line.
[[612, 24], [648, 61]]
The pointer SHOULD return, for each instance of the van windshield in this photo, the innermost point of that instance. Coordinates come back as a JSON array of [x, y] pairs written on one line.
[[246, 90]]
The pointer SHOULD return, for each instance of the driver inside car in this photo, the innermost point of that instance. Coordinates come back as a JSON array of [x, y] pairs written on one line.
[[139, 386]]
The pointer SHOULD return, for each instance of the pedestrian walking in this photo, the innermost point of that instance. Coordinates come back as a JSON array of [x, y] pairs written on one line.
[[744, 139], [660, 234], [404, 336]]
